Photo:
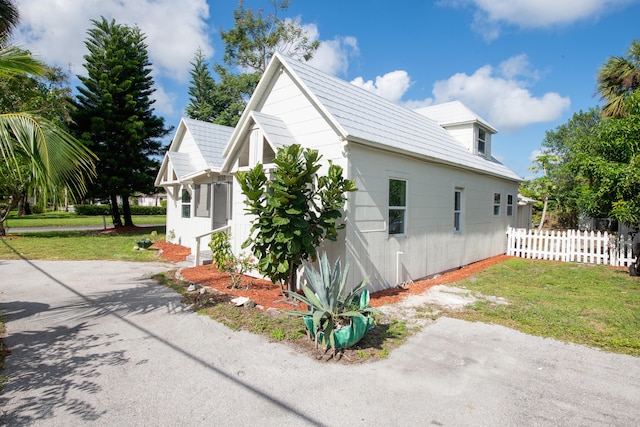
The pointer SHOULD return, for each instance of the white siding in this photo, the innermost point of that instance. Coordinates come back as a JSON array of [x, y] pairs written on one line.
[[430, 246], [309, 129]]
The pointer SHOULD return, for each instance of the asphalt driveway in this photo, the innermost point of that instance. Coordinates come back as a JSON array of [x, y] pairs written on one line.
[[97, 342]]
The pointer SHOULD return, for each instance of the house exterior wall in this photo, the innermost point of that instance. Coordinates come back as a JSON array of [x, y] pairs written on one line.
[[185, 230], [430, 244], [310, 129], [467, 134]]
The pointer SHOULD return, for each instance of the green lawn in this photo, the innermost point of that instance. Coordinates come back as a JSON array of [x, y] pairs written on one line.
[[59, 219], [598, 306], [79, 245], [586, 304]]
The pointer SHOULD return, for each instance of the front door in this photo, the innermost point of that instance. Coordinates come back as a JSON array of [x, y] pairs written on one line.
[[220, 204]]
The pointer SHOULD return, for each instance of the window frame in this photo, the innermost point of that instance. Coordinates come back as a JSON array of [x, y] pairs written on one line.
[[509, 204], [185, 203], [497, 204], [482, 138], [397, 208], [458, 210]]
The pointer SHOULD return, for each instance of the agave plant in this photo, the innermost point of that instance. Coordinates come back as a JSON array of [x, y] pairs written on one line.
[[335, 319]]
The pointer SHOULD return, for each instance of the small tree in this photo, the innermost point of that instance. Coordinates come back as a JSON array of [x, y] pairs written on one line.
[[294, 211]]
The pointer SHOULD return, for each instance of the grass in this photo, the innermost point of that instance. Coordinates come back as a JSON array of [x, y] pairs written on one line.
[[598, 306], [376, 344], [80, 245], [60, 218]]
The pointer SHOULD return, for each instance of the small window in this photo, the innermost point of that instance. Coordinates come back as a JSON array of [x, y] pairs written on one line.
[[397, 206], [457, 210], [203, 200], [496, 204], [481, 146], [186, 204], [509, 204]]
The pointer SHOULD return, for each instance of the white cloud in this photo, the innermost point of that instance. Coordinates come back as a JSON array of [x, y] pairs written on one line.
[[535, 154], [332, 56], [491, 15], [390, 86], [164, 101], [498, 95], [55, 30]]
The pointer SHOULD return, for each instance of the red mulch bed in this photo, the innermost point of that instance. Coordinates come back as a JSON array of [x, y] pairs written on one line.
[[267, 294]]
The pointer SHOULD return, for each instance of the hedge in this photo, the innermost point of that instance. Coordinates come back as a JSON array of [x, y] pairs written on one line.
[[106, 210]]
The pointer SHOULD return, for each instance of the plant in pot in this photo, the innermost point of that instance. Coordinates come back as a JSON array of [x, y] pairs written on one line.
[[334, 318]]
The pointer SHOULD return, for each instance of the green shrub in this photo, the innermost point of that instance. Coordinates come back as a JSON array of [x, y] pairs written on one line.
[[147, 210], [106, 210], [93, 209]]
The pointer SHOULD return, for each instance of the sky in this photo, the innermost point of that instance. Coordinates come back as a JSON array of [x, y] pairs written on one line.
[[525, 66]]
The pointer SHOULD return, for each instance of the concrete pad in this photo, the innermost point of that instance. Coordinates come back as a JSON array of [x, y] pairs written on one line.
[[99, 343]]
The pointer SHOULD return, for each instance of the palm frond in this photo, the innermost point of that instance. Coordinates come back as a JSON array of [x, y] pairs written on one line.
[[56, 157], [14, 60]]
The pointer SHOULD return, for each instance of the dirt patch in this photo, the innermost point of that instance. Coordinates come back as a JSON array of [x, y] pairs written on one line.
[[171, 252], [267, 294], [406, 308]]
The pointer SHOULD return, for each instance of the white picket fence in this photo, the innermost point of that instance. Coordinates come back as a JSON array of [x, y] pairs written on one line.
[[570, 246]]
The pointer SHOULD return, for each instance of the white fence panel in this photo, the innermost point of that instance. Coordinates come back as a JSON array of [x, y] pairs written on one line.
[[570, 246]]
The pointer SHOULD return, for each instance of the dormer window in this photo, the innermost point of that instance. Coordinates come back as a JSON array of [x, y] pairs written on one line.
[[481, 143]]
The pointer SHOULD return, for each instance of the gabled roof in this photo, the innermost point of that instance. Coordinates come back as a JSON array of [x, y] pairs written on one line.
[[274, 129], [210, 140], [362, 117], [453, 113]]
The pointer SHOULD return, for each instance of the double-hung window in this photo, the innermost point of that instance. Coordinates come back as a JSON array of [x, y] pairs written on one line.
[[509, 204], [397, 206], [496, 204], [481, 145], [186, 203], [457, 210]]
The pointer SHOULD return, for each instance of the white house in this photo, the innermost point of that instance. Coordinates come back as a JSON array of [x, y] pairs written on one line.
[[430, 195], [198, 195]]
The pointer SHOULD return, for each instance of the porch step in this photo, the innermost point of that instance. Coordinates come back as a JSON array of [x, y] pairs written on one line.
[[206, 257]]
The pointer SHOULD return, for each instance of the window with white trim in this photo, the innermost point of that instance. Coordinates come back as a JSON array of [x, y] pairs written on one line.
[[481, 144], [397, 206], [457, 210], [186, 203], [202, 198], [509, 204], [496, 204]]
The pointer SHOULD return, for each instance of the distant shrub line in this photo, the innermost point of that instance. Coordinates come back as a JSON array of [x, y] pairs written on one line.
[[106, 210]]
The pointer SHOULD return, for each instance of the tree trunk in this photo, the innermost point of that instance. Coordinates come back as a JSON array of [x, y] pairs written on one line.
[[13, 202], [115, 213], [544, 212], [292, 284], [23, 204], [126, 211]]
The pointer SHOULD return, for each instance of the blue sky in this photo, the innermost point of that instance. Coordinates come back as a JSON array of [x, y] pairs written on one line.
[[526, 66]]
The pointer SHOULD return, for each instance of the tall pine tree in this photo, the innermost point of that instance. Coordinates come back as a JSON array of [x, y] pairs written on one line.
[[201, 103], [115, 115]]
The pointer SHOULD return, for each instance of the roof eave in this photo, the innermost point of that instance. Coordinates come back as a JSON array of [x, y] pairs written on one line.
[[384, 147]]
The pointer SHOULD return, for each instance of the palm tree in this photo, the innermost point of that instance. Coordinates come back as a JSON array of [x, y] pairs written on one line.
[[618, 78], [33, 149], [9, 18]]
